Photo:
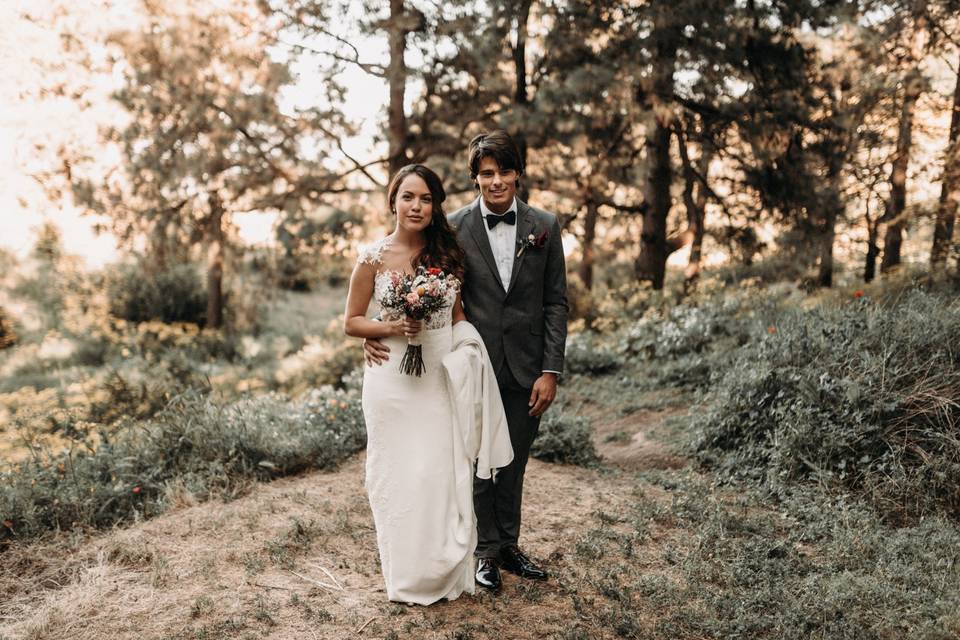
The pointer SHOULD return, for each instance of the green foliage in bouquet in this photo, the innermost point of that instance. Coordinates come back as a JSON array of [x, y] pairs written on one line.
[[862, 397], [195, 444]]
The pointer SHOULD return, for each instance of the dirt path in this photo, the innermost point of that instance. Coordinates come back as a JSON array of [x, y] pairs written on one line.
[[628, 443], [269, 565]]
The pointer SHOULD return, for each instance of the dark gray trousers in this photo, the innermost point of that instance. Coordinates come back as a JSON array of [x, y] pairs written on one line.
[[497, 504]]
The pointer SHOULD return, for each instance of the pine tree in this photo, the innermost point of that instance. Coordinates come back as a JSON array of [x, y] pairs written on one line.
[[949, 189], [207, 137]]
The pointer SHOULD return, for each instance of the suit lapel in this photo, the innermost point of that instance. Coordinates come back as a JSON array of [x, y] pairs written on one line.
[[525, 225], [476, 226]]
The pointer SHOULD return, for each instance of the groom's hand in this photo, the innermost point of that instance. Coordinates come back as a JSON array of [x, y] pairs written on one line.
[[375, 352], [543, 393]]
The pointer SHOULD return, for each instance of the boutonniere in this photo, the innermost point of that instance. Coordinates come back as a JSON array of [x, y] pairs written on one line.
[[536, 242]]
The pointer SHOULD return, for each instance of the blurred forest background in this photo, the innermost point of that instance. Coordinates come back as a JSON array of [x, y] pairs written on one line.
[[758, 201]]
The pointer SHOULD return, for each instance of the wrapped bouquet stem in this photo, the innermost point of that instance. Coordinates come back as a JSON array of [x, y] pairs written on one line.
[[416, 296], [412, 362]]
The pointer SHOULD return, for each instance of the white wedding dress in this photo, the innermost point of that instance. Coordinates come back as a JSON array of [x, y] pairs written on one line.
[[422, 505]]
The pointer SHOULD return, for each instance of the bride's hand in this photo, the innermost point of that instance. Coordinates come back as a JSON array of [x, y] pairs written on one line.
[[406, 327], [411, 327]]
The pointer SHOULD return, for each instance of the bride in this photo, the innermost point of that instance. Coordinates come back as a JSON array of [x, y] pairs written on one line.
[[425, 437]]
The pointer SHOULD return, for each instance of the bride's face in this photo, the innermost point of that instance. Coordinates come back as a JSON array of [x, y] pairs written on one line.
[[414, 204]]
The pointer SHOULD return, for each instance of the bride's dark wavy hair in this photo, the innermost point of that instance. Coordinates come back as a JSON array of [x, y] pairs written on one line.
[[441, 249]]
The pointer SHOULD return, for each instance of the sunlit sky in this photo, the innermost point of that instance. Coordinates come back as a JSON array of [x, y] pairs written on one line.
[[26, 52], [31, 131]]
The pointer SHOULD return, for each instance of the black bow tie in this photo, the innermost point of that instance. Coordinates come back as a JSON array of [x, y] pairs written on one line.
[[510, 217]]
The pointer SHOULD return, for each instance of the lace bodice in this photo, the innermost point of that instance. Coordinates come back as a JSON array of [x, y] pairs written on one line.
[[373, 254]]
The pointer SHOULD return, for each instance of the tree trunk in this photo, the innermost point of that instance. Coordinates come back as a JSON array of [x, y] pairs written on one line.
[[949, 190], [825, 276], [157, 235], [832, 210], [896, 206], [700, 207], [873, 252], [215, 264], [520, 98], [589, 236], [655, 100], [695, 201], [895, 215], [397, 79]]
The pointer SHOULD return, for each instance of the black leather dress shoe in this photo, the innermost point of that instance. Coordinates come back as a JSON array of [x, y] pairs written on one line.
[[488, 574], [513, 560]]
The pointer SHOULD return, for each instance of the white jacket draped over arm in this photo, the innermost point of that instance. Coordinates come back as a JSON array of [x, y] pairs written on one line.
[[481, 434]]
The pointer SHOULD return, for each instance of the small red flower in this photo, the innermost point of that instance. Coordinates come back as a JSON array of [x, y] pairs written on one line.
[[136, 489], [434, 271], [771, 329], [858, 294], [541, 240]]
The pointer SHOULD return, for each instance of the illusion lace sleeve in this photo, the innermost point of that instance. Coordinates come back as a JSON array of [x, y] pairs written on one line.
[[372, 253]]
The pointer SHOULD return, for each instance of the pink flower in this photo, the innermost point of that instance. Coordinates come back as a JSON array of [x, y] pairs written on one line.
[[413, 298]]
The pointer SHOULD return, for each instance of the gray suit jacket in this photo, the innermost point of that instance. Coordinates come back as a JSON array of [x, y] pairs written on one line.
[[526, 323]]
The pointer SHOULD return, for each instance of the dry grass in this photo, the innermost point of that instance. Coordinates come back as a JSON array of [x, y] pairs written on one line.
[[637, 549], [255, 567]]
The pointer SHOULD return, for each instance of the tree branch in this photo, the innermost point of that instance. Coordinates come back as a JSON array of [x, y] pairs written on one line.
[[626, 208], [369, 67], [362, 168], [255, 140]]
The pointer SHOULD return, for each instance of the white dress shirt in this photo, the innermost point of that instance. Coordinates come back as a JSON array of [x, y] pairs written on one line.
[[503, 240]]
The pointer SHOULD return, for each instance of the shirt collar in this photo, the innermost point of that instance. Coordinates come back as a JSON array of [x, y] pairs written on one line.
[[485, 211]]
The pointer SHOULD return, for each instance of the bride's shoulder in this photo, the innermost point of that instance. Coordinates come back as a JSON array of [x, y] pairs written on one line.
[[372, 253]]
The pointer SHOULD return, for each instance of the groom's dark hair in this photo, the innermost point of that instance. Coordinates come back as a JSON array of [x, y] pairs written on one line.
[[496, 144]]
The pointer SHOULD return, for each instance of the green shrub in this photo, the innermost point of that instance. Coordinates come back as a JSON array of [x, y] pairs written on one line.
[[590, 353], [156, 339], [195, 444], [565, 439], [7, 335], [862, 398], [684, 329], [319, 363], [806, 567], [174, 294]]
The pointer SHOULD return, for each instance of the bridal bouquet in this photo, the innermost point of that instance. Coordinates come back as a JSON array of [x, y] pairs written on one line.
[[416, 296]]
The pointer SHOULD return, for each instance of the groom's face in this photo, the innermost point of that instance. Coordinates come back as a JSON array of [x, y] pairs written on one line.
[[497, 186]]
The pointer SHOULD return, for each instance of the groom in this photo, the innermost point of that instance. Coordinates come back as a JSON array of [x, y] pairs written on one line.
[[514, 293]]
